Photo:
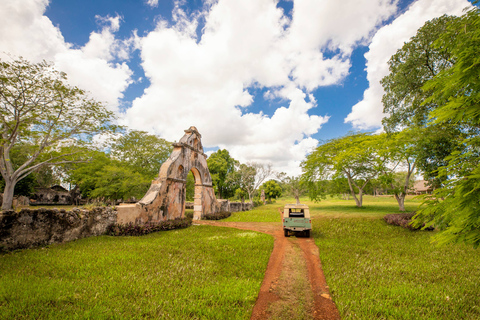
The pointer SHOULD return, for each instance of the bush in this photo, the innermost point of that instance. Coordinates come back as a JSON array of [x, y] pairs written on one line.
[[403, 220], [131, 229], [257, 203], [217, 215]]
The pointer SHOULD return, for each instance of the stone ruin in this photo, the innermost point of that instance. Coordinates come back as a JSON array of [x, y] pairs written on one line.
[[165, 200]]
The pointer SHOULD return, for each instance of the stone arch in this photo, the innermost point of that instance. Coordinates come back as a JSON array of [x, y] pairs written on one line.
[[165, 200]]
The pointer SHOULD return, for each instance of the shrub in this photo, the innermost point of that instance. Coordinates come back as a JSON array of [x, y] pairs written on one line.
[[189, 214], [257, 203], [217, 215], [402, 220], [131, 229]]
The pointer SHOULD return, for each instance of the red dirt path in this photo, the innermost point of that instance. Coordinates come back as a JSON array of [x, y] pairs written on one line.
[[324, 307]]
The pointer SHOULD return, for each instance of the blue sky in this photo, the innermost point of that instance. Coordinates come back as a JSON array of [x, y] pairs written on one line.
[[267, 80]]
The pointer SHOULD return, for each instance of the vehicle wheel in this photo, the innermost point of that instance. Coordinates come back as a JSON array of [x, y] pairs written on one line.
[[307, 233], [285, 232]]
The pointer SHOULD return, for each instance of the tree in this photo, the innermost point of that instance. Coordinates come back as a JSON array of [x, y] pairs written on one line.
[[399, 155], [354, 156], [143, 152], [455, 208], [84, 175], [272, 189], [339, 185], [221, 164], [410, 67], [294, 187], [38, 106], [407, 101], [118, 181], [248, 177]]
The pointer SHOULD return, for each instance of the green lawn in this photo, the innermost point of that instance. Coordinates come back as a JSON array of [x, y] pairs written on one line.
[[374, 270], [201, 272], [379, 271]]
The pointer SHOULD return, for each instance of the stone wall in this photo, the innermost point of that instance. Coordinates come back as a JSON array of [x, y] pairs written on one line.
[[240, 206], [30, 228]]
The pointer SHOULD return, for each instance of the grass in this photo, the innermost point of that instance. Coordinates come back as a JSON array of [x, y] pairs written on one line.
[[267, 213], [374, 270], [379, 271], [293, 288], [201, 272]]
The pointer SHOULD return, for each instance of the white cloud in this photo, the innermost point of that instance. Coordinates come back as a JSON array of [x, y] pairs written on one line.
[[25, 31], [367, 113], [152, 3], [209, 82]]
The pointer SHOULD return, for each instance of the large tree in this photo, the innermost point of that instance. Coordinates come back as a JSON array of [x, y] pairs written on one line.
[[221, 164], [294, 187], [455, 208], [399, 152], [272, 189], [39, 107], [354, 157], [142, 151], [410, 67], [248, 177]]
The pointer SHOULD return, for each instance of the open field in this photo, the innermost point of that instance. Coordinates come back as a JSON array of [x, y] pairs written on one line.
[[378, 271], [374, 270], [200, 272]]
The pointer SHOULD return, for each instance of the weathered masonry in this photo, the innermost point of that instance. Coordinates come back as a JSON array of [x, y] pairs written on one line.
[[165, 200]]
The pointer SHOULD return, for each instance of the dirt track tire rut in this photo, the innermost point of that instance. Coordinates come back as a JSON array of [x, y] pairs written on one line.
[[270, 293]]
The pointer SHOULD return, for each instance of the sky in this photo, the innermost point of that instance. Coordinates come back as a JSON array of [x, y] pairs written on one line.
[[268, 80]]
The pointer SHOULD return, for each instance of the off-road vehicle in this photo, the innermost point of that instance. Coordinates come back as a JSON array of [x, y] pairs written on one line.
[[296, 218]]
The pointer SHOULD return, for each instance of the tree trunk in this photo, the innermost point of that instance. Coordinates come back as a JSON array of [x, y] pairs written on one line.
[[298, 199], [401, 201], [250, 198], [8, 195], [359, 201]]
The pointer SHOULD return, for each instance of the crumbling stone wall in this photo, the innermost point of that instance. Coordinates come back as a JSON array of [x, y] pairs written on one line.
[[30, 228]]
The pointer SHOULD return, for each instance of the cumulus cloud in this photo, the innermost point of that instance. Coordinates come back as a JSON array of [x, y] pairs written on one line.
[[209, 80], [152, 3], [25, 31], [368, 113]]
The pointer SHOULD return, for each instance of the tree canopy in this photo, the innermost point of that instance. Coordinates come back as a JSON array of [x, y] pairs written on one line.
[[39, 108], [272, 189], [354, 157], [221, 164], [455, 208]]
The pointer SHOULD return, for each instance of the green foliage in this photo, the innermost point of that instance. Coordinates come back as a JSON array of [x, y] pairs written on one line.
[[190, 187], [39, 109], [118, 181], [144, 153], [272, 189], [437, 142], [84, 175], [294, 187], [414, 64], [221, 164], [354, 157], [134, 161], [455, 208], [131, 229], [244, 179], [217, 215]]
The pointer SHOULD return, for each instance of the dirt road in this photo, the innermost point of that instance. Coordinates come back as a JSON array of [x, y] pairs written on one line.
[[294, 286]]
